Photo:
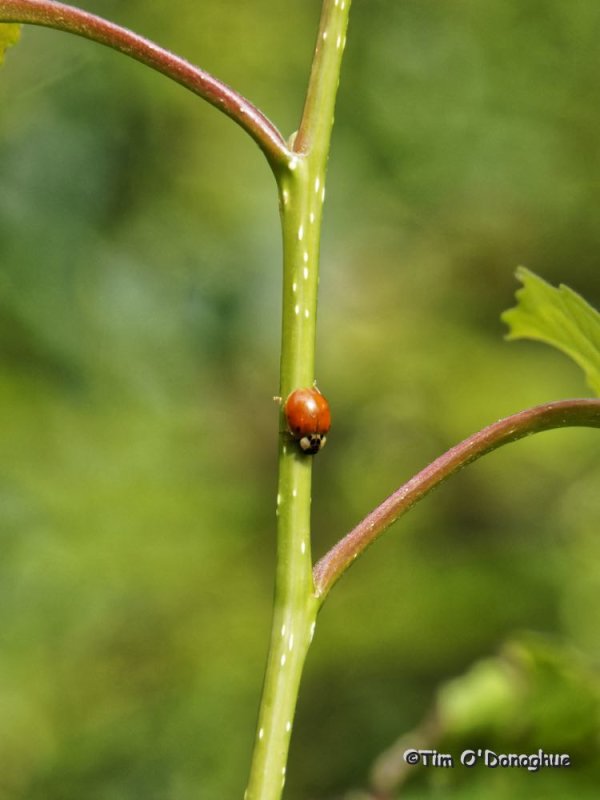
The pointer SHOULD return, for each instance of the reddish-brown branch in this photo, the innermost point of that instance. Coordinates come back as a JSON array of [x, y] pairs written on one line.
[[565, 413], [74, 20]]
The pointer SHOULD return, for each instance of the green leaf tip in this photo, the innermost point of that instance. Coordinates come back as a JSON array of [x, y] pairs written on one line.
[[9, 35], [559, 317]]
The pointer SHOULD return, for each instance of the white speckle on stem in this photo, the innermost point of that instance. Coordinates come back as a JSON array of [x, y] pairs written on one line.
[[305, 257], [323, 195], [317, 184], [283, 660], [306, 313], [283, 630], [294, 492], [303, 547], [305, 273], [291, 642], [311, 217], [312, 630], [294, 287], [324, 36], [288, 726], [338, 41], [261, 733], [293, 163], [285, 196], [301, 233], [296, 309], [278, 499]]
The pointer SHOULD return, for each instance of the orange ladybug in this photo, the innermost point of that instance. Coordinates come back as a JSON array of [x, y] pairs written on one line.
[[308, 419]]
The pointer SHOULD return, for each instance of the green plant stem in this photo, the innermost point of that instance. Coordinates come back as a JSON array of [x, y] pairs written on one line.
[[301, 195], [561, 414], [294, 606], [314, 133], [73, 20]]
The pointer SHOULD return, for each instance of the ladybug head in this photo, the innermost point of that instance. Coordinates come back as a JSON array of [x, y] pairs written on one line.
[[312, 443]]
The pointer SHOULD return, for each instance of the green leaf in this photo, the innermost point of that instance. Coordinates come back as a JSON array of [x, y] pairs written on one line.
[[559, 317], [9, 35]]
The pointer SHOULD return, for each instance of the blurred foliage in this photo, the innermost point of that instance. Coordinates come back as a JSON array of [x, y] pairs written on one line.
[[9, 35], [535, 690], [139, 325]]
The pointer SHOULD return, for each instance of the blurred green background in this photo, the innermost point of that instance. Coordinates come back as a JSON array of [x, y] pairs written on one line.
[[139, 331]]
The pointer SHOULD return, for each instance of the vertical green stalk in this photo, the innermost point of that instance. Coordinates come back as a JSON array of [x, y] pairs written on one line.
[[302, 194]]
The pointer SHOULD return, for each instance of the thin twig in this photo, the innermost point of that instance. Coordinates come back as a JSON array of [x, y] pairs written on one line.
[[73, 20], [565, 413]]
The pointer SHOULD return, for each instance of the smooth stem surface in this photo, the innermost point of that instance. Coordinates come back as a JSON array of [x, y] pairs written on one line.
[[301, 195], [561, 414], [317, 119], [73, 20]]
